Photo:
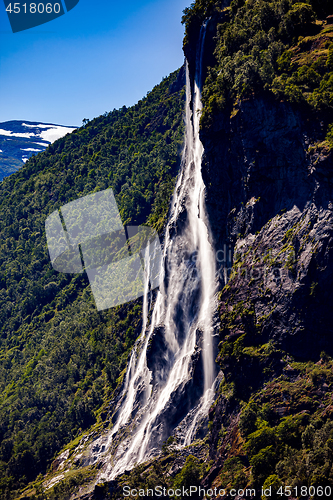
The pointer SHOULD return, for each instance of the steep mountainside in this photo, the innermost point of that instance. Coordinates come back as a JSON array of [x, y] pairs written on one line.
[[61, 359], [267, 132], [267, 135]]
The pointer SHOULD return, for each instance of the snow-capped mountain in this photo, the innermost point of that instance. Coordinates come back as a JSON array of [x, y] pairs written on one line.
[[21, 139]]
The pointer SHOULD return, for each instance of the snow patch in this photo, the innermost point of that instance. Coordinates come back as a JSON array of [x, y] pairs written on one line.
[[40, 125], [30, 149], [16, 134], [52, 134]]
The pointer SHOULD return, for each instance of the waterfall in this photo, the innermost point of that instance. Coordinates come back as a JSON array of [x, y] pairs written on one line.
[[169, 384]]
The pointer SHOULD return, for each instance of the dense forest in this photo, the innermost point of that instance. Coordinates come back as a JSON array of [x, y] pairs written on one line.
[[271, 425], [61, 359], [284, 48], [267, 130]]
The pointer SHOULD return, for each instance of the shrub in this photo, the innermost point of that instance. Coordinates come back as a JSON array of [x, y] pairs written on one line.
[[261, 439], [274, 482], [189, 475], [247, 421], [263, 463], [329, 135]]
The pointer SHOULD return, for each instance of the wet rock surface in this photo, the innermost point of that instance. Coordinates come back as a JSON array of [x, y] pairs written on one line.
[[269, 199]]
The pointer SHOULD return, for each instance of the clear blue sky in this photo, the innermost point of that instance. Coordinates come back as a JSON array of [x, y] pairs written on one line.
[[99, 56]]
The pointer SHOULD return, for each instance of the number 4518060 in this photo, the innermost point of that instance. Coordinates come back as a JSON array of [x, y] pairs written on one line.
[[305, 491], [34, 8]]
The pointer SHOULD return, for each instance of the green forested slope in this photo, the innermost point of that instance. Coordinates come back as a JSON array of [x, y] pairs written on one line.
[[59, 357], [272, 422], [280, 47]]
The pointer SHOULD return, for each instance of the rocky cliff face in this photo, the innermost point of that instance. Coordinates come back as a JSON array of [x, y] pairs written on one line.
[[270, 199], [269, 196]]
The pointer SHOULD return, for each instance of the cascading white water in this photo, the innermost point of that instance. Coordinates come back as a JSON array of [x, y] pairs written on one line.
[[160, 387]]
